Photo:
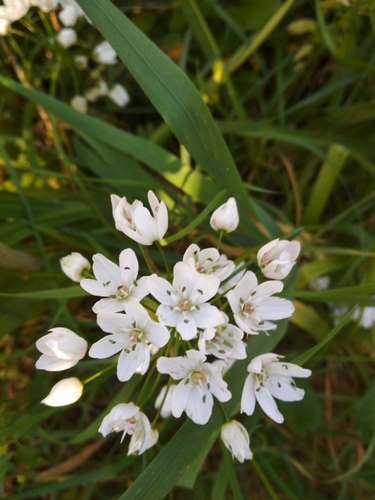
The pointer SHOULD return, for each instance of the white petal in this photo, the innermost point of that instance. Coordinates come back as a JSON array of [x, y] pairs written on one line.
[[65, 392], [53, 364], [268, 404], [283, 388], [129, 362], [108, 346], [248, 396]]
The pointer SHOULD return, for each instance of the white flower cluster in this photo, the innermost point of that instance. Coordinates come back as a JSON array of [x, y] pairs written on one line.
[[69, 13], [190, 332]]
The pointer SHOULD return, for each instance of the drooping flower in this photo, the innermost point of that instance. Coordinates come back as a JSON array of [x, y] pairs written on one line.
[[223, 341], [183, 303], [74, 265], [271, 378], [209, 261], [225, 218], [61, 349], [117, 284], [200, 381], [65, 392], [277, 258], [66, 37], [236, 439], [128, 419], [253, 305], [137, 222], [79, 103], [131, 334], [105, 53], [119, 95]]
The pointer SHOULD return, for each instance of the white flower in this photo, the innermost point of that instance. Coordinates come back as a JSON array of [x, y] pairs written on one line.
[[277, 258], [69, 14], [270, 378], [209, 261], [137, 222], [119, 95], [79, 103], [236, 439], [117, 284], [100, 89], [131, 334], [65, 392], [12, 10], [366, 316], [61, 349], [237, 274], [183, 303], [319, 284], [74, 265], [4, 24], [225, 218], [166, 410], [200, 381], [45, 5], [66, 37], [105, 53], [253, 305], [128, 419], [223, 341]]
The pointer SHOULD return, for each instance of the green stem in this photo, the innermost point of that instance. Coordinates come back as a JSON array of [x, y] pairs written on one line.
[[167, 268], [149, 264], [221, 406]]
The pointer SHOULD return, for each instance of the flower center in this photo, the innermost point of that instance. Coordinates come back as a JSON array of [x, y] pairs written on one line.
[[248, 308], [122, 292], [135, 335], [184, 305], [198, 378]]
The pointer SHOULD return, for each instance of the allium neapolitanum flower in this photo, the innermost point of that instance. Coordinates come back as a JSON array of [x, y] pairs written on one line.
[[223, 341], [136, 221], [209, 261], [236, 439], [277, 258], [105, 53], [131, 334], [66, 37], [183, 303], [200, 382], [271, 378], [253, 305], [128, 419], [225, 218], [61, 349], [118, 284], [119, 95], [74, 265], [65, 392]]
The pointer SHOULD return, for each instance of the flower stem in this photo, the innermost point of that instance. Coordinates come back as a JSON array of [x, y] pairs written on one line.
[[147, 260], [219, 240], [166, 264], [221, 406]]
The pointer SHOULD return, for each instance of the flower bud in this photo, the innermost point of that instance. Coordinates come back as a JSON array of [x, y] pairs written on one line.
[[277, 258], [119, 95], [61, 349], [225, 218], [67, 37], [74, 265], [236, 439], [65, 392]]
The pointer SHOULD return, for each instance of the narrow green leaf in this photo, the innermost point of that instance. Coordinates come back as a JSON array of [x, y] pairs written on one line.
[[60, 293]]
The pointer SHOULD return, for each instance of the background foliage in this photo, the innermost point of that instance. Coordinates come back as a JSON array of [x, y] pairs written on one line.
[[290, 87]]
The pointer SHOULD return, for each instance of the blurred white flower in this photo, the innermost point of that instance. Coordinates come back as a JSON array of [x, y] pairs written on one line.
[[79, 103], [74, 265], [81, 61], [200, 382], [209, 261], [225, 218], [166, 411], [66, 37], [253, 305], [236, 439], [277, 258], [4, 24], [117, 284], [69, 15], [105, 53], [271, 378], [65, 392], [61, 349], [100, 89], [131, 334], [223, 341], [119, 95], [320, 284], [137, 222], [45, 5], [183, 303], [128, 419], [12, 10], [366, 316]]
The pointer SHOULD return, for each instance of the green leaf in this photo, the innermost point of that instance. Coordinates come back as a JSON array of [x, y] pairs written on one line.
[[61, 293]]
